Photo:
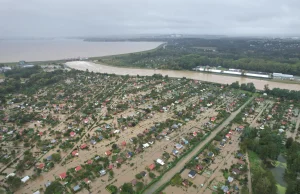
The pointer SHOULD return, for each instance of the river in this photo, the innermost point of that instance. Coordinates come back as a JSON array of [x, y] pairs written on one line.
[[208, 77], [56, 49]]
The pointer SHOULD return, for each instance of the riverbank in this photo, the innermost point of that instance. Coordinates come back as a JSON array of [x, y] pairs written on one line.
[[207, 77]]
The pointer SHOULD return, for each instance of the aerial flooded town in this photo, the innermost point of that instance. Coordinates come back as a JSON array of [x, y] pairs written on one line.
[[72, 131], [158, 97]]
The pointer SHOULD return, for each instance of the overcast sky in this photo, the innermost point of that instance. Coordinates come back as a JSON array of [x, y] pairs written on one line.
[[51, 18]]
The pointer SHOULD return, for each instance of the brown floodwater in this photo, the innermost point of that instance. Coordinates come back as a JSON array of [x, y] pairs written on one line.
[[56, 49], [208, 77]]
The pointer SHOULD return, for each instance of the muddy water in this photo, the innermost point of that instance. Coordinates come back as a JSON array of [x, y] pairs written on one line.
[[56, 49], [259, 84]]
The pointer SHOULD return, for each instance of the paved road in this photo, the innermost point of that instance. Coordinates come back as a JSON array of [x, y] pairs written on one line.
[[179, 166]]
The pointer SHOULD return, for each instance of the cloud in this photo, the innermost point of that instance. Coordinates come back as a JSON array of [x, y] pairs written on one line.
[[46, 18]]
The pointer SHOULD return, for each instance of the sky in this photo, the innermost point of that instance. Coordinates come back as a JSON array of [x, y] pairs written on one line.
[[69, 18]]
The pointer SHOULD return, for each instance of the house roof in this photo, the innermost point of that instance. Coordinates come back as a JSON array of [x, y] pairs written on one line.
[[75, 153], [83, 146], [78, 168], [89, 161], [151, 166], [76, 188], [63, 175], [192, 173], [40, 166], [108, 153]]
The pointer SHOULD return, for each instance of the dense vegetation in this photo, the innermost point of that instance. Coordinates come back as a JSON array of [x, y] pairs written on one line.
[[292, 174], [265, 146], [186, 53]]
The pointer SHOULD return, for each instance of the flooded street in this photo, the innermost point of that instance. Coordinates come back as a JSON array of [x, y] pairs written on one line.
[[57, 49], [222, 79]]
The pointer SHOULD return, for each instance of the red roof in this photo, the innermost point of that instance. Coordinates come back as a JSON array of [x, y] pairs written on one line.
[[41, 166], [123, 143], [87, 181], [78, 168], [89, 162], [108, 153], [40, 133], [63, 175], [152, 166], [75, 153], [110, 166], [83, 146], [72, 134], [212, 119]]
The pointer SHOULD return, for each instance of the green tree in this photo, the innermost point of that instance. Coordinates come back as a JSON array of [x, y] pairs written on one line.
[[14, 182], [56, 157], [55, 188]]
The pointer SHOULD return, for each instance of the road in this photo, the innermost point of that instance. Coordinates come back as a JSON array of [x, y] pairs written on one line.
[[180, 165]]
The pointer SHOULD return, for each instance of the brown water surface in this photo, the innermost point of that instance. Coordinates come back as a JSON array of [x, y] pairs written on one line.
[[216, 78]]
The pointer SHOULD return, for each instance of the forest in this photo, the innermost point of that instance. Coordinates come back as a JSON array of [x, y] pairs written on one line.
[[186, 53]]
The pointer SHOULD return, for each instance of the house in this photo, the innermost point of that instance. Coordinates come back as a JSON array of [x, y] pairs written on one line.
[[123, 143], [152, 166], [228, 136], [199, 167], [178, 146], [230, 179], [76, 188], [143, 173], [160, 161], [211, 154], [83, 146], [175, 152], [87, 181], [240, 155], [49, 158], [111, 166], [102, 172], [192, 174], [89, 162], [47, 184], [119, 160], [40, 166], [129, 154], [108, 153], [62, 176], [213, 119], [185, 183], [225, 189], [145, 145], [72, 134], [93, 142], [37, 192], [133, 182], [239, 128], [236, 171], [241, 162], [25, 179], [75, 153], [78, 168]]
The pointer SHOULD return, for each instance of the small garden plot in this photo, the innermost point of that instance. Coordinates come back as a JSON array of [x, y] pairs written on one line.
[[207, 172], [214, 185]]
